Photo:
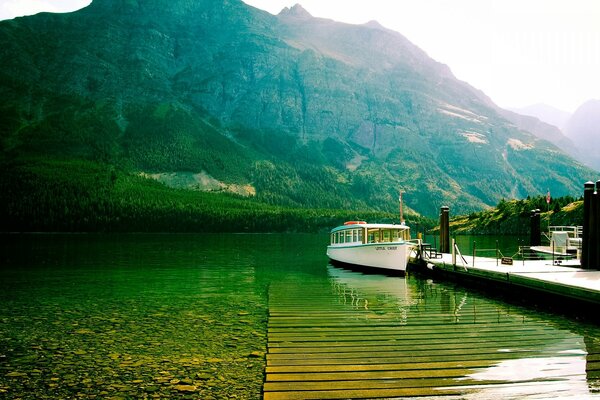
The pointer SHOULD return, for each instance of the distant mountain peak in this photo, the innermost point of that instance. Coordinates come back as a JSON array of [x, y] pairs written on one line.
[[546, 113], [584, 129], [590, 104], [296, 11], [374, 24]]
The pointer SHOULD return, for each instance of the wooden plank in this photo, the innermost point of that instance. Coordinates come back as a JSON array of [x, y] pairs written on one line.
[[409, 366], [309, 323], [367, 375], [333, 346], [415, 314], [433, 330], [551, 389], [295, 359], [413, 341], [386, 352], [387, 384], [359, 394]]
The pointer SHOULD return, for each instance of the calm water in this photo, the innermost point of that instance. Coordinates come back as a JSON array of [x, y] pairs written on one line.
[[149, 316]]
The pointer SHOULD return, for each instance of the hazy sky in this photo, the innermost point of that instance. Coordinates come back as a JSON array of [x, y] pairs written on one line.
[[519, 52], [15, 8]]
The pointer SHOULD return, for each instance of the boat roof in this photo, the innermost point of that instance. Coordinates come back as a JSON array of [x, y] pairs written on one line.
[[369, 226]]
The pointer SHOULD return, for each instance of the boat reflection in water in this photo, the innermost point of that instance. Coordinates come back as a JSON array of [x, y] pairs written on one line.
[[362, 290], [398, 336]]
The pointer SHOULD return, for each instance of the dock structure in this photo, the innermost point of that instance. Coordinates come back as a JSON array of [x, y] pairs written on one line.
[[577, 280], [366, 336], [561, 281]]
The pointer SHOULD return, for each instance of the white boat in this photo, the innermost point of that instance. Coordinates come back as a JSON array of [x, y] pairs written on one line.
[[374, 246], [564, 241]]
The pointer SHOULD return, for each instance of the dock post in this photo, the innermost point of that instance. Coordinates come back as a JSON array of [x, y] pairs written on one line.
[[594, 239], [445, 229], [588, 196], [454, 252], [496, 253], [535, 232]]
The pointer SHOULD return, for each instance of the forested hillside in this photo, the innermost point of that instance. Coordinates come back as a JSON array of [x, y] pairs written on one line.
[[130, 114], [513, 217]]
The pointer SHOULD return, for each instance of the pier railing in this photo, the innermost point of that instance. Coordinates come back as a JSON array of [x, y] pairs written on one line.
[[527, 253], [490, 253]]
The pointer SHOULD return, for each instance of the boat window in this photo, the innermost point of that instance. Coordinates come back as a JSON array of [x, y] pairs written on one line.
[[360, 235], [355, 235], [373, 236], [332, 241], [386, 235], [348, 236]]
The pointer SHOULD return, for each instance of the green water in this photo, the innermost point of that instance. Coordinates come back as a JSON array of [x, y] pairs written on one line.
[[167, 316], [485, 246]]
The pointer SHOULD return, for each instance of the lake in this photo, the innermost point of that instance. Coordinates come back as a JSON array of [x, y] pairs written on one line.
[[197, 316]]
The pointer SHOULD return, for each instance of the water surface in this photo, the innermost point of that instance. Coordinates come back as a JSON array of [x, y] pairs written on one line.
[[135, 316]]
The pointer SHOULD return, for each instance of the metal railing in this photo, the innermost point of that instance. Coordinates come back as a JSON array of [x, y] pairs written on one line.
[[496, 253]]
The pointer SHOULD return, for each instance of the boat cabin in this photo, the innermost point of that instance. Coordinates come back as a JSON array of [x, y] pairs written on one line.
[[370, 233]]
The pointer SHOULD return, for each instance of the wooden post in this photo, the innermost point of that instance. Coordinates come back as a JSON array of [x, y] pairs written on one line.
[[535, 232], [445, 230], [497, 253], [454, 252], [588, 195], [594, 250]]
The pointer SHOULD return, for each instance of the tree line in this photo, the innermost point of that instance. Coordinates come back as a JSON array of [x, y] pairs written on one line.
[[50, 195]]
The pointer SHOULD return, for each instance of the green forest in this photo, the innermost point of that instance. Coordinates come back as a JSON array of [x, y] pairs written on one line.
[[512, 217], [50, 195]]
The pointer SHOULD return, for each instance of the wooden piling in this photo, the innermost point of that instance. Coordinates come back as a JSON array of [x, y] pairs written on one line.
[[445, 229], [535, 231], [588, 194], [594, 249]]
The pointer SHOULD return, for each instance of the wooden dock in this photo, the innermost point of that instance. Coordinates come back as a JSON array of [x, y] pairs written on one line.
[[375, 337], [564, 281]]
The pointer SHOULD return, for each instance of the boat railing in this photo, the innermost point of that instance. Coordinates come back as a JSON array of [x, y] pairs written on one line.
[[572, 231]]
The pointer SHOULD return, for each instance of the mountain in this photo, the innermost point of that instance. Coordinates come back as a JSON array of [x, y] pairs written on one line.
[[543, 130], [543, 112], [584, 130], [287, 110]]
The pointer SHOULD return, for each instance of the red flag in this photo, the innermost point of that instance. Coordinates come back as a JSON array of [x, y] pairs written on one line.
[[548, 197]]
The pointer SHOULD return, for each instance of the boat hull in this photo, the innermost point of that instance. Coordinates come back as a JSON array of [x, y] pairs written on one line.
[[384, 256]]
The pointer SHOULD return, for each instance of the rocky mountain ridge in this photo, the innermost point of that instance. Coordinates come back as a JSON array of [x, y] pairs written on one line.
[[583, 128], [301, 111]]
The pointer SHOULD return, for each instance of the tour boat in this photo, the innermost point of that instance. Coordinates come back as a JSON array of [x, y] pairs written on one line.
[[564, 241], [374, 246]]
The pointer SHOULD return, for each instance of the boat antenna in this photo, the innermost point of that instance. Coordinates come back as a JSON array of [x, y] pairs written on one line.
[[400, 205]]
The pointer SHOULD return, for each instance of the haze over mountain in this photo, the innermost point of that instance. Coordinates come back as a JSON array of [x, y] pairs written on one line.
[[583, 128], [543, 129], [548, 114], [289, 109]]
